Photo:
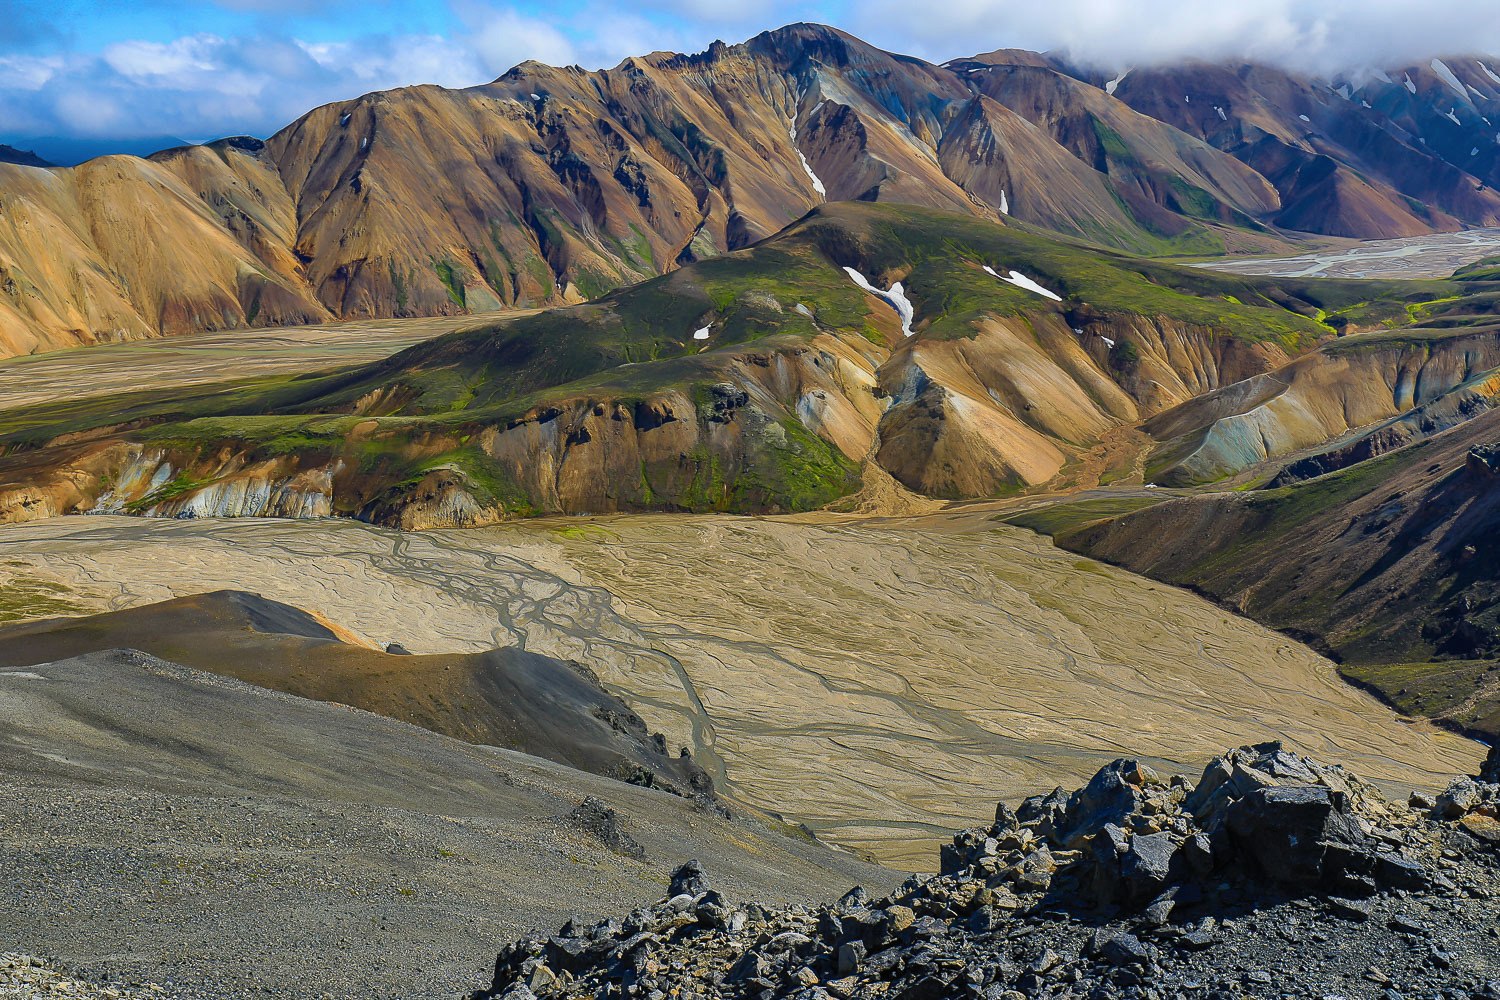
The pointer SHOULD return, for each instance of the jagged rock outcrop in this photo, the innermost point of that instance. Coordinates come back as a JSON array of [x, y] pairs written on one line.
[[1271, 869]]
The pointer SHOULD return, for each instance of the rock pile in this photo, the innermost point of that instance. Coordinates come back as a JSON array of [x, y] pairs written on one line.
[[1271, 875], [26, 977]]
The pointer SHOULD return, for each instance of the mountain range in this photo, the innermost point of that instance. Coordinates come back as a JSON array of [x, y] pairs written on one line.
[[555, 185]]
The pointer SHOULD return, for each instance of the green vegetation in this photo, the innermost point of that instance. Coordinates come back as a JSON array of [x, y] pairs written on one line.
[[1462, 693], [452, 280], [23, 598], [631, 345], [1053, 519]]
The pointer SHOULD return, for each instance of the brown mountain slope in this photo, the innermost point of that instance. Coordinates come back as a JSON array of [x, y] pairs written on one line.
[[1161, 172], [550, 185], [504, 697], [1348, 158], [121, 248], [758, 380]]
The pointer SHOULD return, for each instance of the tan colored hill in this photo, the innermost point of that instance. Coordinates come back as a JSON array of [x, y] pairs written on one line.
[[553, 185], [500, 697], [759, 380]]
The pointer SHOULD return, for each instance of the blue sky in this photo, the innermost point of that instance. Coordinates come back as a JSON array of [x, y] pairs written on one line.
[[93, 68]]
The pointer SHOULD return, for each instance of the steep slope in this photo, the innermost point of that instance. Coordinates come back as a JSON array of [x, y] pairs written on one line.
[[757, 380], [236, 841], [1157, 173], [1378, 156], [1349, 385], [121, 248], [1389, 564], [504, 697], [553, 185]]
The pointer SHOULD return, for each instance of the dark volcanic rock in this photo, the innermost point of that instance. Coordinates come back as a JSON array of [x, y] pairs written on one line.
[[1275, 875]]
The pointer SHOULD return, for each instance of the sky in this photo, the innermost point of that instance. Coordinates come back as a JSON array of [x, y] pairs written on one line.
[[200, 69]]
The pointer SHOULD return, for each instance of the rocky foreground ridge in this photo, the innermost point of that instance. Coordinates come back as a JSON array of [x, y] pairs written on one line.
[[1272, 875]]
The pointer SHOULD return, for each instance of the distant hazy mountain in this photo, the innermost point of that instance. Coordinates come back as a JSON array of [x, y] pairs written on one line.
[[24, 157], [69, 152]]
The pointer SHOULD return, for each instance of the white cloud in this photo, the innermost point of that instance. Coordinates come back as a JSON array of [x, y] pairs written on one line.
[[1322, 36], [174, 59], [28, 72]]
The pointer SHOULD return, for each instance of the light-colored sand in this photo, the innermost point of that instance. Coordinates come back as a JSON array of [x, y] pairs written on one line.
[[883, 680], [213, 357], [1436, 255]]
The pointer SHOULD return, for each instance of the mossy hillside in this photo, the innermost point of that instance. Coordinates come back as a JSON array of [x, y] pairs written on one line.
[[1436, 688], [743, 296], [1053, 519], [941, 256]]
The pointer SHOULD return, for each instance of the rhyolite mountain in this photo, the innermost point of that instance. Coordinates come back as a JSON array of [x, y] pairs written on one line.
[[773, 379], [553, 185]]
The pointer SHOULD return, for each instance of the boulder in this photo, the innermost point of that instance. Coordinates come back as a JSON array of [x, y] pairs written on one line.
[[1490, 770], [1148, 865], [1285, 829]]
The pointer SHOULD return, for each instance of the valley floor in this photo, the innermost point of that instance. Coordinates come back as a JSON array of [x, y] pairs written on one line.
[[213, 357], [1436, 255], [882, 680]]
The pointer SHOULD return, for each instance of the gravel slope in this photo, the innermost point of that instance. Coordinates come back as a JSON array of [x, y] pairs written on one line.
[[164, 825]]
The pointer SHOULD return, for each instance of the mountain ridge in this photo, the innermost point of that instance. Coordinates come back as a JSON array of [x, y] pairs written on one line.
[[554, 185]]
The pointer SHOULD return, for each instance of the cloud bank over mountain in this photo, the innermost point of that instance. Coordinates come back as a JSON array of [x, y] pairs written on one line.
[[85, 68]]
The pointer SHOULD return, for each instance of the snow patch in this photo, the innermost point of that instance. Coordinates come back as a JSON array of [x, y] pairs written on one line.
[[1004, 203], [345, 120], [1107, 342], [1447, 75], [364, 143], [802, 308], [1021, 281], [1222, 116], [1304, 118], [536, 97], [1489, 72], [1474, 151], [701, 334], [896, 296], [1409, 85], [1109, 87], [1365, 103], [1186, 99], [791, 130], [1346, 92], [1451, 116]]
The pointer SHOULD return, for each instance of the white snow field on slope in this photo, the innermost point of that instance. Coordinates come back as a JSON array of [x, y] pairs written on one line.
[[1449, 77], [896, 296], [817, 183], [1021, 281], [1489, 72], [701, 334], [1109, 88]]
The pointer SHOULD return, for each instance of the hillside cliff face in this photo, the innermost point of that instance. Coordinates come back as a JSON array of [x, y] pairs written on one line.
[[554, 185]]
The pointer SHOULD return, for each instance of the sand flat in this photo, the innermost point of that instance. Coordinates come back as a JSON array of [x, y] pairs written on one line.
[[882, 680]]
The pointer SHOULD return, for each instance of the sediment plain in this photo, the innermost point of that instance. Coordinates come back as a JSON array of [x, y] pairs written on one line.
[[213, 357], [882, 680]]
